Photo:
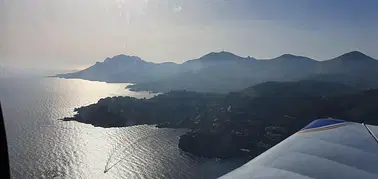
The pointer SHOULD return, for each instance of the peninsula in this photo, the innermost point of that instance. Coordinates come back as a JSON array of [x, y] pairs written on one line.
[[239, 124]]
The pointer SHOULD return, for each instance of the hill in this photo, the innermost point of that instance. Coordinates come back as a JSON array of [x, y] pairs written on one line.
[[243, 123]]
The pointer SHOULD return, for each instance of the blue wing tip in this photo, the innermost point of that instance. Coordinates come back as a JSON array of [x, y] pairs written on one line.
[[322, 122]]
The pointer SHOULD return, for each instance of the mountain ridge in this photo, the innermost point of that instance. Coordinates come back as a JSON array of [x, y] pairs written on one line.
[[283, 56], [226, 72]]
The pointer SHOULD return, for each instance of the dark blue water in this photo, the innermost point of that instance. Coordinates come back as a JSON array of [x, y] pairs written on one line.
[[41, 146]]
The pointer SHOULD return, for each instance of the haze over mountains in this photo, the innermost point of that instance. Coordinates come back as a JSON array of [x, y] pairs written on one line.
[[225, 72]]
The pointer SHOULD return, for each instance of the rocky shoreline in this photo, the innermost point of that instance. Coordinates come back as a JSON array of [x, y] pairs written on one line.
[[242, 124]]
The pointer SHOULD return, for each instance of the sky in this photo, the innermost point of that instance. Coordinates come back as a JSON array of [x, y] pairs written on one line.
[[73, 34]]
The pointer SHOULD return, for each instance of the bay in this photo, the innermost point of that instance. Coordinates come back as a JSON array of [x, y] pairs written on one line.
[[40, 146]]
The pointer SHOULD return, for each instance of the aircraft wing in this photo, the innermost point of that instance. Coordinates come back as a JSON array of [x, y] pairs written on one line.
[[326, 148]]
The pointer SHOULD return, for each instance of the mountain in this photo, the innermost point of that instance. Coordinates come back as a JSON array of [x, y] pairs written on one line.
[[289, 58], [215, 58], [124, 68], [352, 62], [215, 72], [286, 67], [354, 56], [221, 60], [353, 68], [225, 72]]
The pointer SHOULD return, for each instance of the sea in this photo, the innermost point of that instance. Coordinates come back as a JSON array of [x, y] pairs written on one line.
[[41, 146]]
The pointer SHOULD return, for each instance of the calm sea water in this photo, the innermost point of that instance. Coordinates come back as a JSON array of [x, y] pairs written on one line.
[[41, 146]]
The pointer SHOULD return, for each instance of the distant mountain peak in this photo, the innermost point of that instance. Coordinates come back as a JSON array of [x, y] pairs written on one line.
[[218, 57], [221, 56], [355, 53], [122, 57], [353, 56], [293, 57], [287, 55]]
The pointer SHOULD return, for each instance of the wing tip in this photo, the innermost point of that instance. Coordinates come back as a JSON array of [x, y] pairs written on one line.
[[322, 123]]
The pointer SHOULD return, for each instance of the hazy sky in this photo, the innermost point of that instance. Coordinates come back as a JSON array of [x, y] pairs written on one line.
[[77, 33]]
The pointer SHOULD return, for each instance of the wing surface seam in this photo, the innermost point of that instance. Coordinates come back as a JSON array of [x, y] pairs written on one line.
[[339, 144], [325, 160], [370, 132], [336, 162]]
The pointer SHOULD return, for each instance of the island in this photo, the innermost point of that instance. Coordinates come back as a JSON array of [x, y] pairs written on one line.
[[238, 124]]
